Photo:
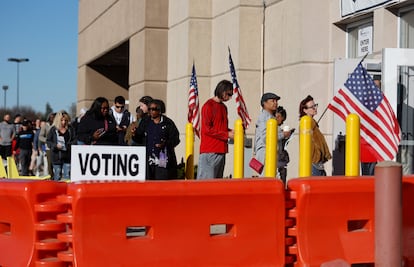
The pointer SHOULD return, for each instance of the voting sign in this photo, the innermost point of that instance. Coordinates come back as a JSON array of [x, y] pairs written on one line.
[[107, 163]]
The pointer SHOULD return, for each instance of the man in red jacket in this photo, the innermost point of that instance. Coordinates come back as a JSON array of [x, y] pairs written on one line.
[[215, 133]]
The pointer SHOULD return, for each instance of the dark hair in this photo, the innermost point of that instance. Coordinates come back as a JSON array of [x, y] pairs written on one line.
[[95, 109], [51, 117], [223, 86], [160, 104], [138, 110], [26, 122], [146, 100], [303, 106], [120, 99], [281, 111]]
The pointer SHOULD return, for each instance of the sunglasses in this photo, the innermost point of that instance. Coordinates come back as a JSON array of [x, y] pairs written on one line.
[[315, 106], [230, 94], [119, 107]]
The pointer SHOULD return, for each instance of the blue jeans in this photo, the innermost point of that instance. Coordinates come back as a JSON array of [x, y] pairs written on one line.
[[58, 168], [318, 169]]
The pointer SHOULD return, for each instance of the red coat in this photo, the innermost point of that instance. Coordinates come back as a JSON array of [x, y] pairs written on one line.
[[214, 128]]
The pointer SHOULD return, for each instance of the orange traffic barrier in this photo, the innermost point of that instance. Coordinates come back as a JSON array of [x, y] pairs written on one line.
[[334, 220], [28, 226], [176, 223], [408, 220]]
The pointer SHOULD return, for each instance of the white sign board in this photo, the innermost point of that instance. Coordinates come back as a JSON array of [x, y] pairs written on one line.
[[356, 6], [364, 40], [107, 163]]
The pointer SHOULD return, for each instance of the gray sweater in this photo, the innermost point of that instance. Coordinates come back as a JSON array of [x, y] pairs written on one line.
[[7, 132]]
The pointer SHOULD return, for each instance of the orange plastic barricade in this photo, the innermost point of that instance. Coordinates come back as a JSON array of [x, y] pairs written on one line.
[[28, 226], [334, 220], [408, 220], [177, 223]]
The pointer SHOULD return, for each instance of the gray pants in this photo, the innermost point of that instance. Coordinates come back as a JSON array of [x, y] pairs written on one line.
[[210, 165]]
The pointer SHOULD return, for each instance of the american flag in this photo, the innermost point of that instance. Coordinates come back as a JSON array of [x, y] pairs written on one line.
[[240, 104], [379, 125], [193, 103]]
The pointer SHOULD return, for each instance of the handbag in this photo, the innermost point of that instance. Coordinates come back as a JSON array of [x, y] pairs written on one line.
[[256, 165]]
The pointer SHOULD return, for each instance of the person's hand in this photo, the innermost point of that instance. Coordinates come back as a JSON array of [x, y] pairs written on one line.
[[133, 130], [160, 145], [98, 133], [231, 134]]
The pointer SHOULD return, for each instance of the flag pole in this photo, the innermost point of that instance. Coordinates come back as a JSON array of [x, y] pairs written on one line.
[[322, 114], [262, 39], [363, 58]]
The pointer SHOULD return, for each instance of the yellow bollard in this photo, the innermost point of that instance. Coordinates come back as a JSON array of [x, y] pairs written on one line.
[[352, 139], [189, 151], [305, 146], [271, 148], [238, 149]]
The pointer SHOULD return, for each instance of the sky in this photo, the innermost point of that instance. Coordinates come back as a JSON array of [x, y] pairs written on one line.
[[45, 32]]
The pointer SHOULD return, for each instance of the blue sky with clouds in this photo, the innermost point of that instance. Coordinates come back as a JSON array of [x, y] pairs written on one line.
[[46, 32]]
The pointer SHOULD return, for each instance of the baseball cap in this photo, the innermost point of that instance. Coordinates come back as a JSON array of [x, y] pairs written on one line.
[[267, 96]]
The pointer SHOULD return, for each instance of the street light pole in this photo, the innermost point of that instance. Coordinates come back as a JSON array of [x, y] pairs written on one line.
[[18, 61], [5, 87]]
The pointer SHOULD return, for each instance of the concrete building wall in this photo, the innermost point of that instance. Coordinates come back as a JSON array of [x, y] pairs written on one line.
[[301, 40]]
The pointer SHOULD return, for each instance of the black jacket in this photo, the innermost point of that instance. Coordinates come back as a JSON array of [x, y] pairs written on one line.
[[60, 156], [171, 134], [89, 124]]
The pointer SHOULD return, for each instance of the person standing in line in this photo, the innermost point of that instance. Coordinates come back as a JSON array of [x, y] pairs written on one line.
[[134, 125], [75, 123], [60, 139], [7, 134], [320, 150], [35, 153], [269, 107], [97, 126], [143, 104], [215, 133], [123, 118], [44, 130], [17, 123], [24, 142], [162, 137], [284, 134]]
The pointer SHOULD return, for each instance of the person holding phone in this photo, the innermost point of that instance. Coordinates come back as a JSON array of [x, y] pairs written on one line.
[[60, 139], [97, 126]]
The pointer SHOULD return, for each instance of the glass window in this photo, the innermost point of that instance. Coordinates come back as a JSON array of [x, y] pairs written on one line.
[[407, 29], [360, 38]]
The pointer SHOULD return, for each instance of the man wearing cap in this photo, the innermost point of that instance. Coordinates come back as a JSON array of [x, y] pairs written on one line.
[[269, 107]]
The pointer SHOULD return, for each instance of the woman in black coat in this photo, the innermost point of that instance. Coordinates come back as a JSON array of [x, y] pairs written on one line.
[[161, 138], [97, 126]]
